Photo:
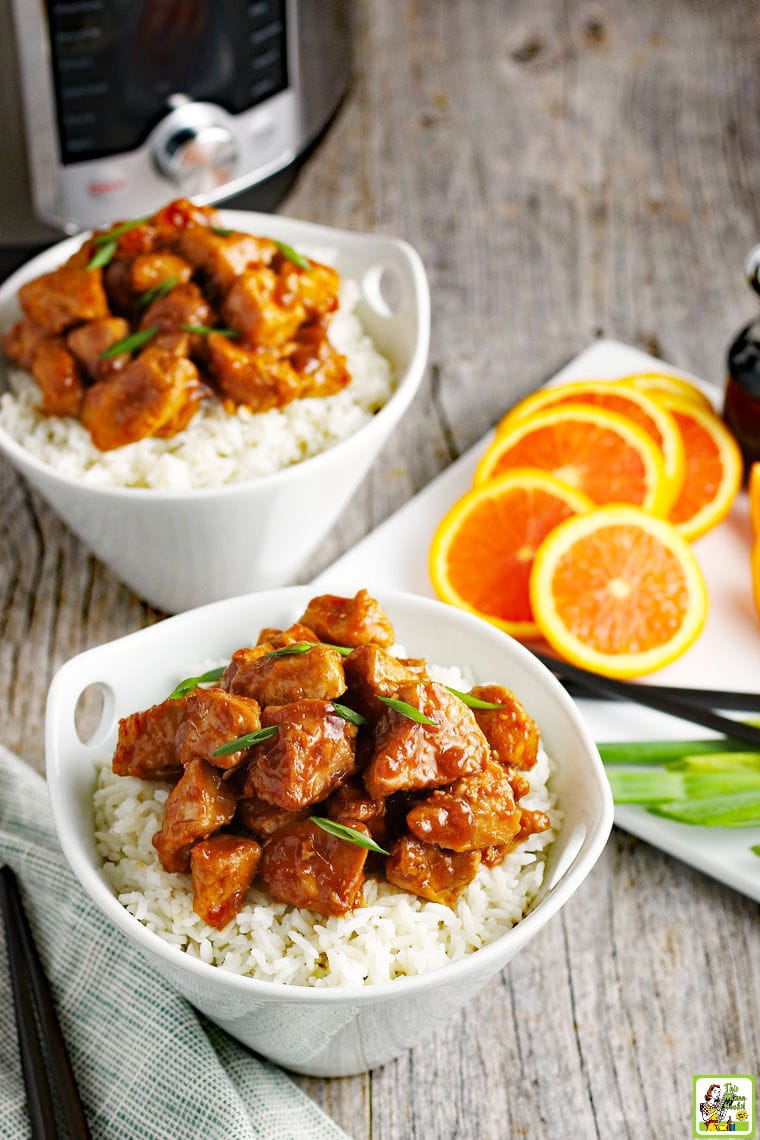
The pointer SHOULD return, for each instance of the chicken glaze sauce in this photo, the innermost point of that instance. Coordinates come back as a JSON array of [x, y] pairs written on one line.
[[433, 783], [201, 311]]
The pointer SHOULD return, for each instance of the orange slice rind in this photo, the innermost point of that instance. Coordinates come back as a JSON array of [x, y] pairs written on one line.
[[714, 469], [601, 453], [613, 396], [618, 591], [483, 548]]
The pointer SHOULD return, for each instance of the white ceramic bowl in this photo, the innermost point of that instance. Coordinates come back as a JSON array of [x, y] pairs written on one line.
[[335, 1031], [178, 549]]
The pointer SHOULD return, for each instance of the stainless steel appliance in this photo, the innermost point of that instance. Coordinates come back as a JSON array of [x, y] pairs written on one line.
[[108, 108]]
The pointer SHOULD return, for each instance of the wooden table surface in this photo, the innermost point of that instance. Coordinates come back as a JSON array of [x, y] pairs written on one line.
[[566, 170]]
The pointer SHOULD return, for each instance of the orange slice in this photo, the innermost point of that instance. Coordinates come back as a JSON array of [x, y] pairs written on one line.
[[599, 452], [753, 490], [618, 591], [614, 396], [713, 469], [755, 567], [659, 384], [483, 548]]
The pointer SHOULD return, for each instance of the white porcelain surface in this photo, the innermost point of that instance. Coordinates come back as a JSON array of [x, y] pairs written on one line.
[[179, 549], [326, 1032]]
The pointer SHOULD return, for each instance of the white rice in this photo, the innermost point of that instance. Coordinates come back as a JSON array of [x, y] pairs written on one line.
[[394, 934], [217, 446]]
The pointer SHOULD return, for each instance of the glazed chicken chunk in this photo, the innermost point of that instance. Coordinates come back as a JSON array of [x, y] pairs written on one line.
[[223, 257], [430, 872], [66, 297], [199, 804], [274, 679], [59, 377], [256, 377], [471, 813], [308, 756], [154, 390], [222, 869], [349, 621], [372, 673], [146, 744], [511, 733], [409, 755], [88, 342], [213, 718], [304, 866]]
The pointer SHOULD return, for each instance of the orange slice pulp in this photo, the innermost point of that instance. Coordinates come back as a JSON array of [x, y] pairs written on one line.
[[618, 591], [483, 549], [600, 453]]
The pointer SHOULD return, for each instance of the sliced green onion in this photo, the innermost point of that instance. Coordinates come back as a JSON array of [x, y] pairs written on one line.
[[293, 255], [407, 710], [221, 231], [348, 714], [293, 650], [342, 832], [102, 255], [755, 848], [207, 330], [159, 290], [664, 751], [129, 343], [246, 741], [474, 702], [738, 809], [645, 786], [190, 683], [117, 231], [738, 762], [344, 650]]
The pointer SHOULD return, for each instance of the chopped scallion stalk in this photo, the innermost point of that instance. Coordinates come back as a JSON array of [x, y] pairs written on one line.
[[341, 831], [129, 343], [190, 683], [246, 741], [293, 255], [348, 714], [406, 710], [102, 255], [160, 290]]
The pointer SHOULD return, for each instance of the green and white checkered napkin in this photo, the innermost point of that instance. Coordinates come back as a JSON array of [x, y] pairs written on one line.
[[147, 1064]]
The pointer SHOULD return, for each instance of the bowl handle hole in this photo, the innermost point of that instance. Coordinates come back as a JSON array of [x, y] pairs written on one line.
[[93, 713], [383, 290], [567, 858]]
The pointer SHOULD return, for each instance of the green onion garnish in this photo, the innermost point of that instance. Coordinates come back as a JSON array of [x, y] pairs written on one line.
[[348, 714], [293, 255], [703, 783], [246, 741], [473, 702], [117, 231], [159, 290], [407, 710], [221, 231], [187, 686], [344, 650], [755, 848], [291, 650], [342, 832], [129, 343], [206, 330], [102, 255]]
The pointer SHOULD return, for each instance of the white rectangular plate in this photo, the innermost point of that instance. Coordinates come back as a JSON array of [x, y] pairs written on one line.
[[726, 655]]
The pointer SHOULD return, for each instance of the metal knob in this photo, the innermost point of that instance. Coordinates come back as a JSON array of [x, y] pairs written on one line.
[[197, 156]]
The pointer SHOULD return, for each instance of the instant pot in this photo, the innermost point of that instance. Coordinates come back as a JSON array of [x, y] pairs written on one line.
[[109, 108]]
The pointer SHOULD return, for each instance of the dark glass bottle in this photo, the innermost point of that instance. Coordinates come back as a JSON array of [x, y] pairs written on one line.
[[741, 405]]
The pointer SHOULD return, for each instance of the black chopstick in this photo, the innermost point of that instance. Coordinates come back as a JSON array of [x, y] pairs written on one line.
[[36, 1021], [652, 696], [709, 698]]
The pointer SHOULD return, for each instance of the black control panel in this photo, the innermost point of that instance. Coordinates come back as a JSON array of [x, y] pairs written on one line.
[[117, 64]]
